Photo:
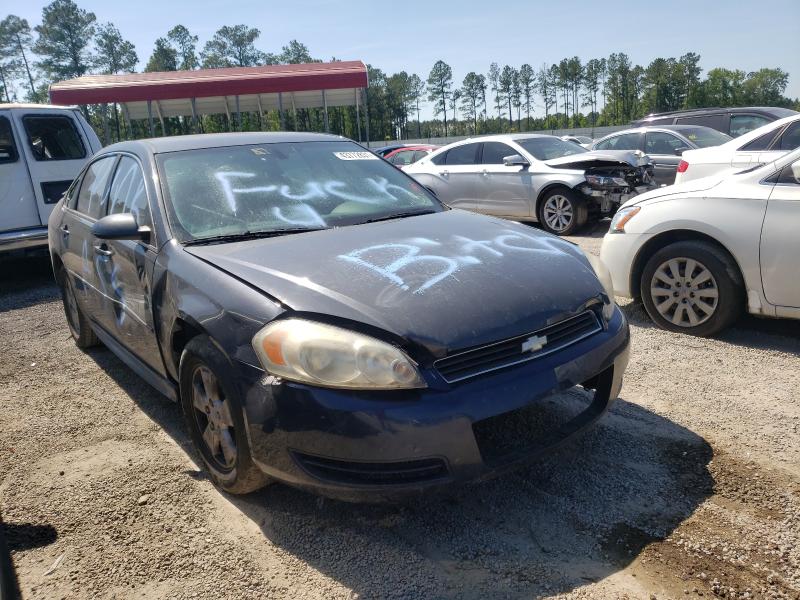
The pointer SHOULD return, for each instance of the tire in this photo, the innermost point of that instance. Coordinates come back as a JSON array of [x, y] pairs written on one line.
[[218, 430], [78, 324], [562, 211], [705, 297]]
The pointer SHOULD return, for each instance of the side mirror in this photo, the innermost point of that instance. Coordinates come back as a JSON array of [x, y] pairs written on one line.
[[515, 160], [121, 226], [796, 170], [681, 150]]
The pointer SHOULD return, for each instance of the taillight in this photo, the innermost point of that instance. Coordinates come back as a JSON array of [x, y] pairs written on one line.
[[682, 166]]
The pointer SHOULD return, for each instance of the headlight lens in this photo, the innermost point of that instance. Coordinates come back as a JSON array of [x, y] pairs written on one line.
[[329, 356], [605, 181], [622, 217], [604, 275]]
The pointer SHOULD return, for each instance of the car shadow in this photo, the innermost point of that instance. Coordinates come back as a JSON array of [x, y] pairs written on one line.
[[782, 335], [26, 281], [25, 536], [577, 516]]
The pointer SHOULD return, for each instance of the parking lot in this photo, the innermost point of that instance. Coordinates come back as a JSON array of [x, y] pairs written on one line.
[[690, 487]]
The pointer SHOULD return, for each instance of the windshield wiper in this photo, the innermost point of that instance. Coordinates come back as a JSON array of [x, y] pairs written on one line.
[[248, 235], [400, 215]]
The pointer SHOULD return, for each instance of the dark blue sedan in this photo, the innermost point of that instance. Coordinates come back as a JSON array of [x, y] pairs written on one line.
[[325, 321]]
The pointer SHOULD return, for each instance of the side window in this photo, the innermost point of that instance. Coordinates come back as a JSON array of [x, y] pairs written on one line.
[[466, 154], [128, 194], [760, 143], [440, 159], [494, 152], [420, 154], [8, 149], [715, 121], [626, 141], [658, 142], [790, 138], [53, 138], [93, 187], [403, 157], [741, 124], [788, 176]]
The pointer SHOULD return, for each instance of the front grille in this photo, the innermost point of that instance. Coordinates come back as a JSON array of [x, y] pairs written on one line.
[[373, 473], [512, 351]]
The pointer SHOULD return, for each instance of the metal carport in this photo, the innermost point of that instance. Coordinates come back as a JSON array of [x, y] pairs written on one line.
[[226, 91]]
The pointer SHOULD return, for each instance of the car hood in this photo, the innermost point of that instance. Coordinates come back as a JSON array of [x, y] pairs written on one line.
[[600, 158], [693, 186], [440, 282]]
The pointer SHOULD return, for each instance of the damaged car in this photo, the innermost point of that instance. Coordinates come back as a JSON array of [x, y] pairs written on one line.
[[324, 321], [534, 177]]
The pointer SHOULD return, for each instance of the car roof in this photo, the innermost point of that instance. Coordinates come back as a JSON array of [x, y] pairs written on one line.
[[665, 127], [179, 143], [31, 106], [773, 110]]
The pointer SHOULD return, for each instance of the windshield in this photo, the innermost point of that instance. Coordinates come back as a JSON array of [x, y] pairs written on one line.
[[548, 147], [238, 190], [703, 137]]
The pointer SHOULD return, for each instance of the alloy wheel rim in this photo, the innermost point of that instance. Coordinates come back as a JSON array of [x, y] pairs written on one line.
[[558, 212], [213, 418], [684, 292]]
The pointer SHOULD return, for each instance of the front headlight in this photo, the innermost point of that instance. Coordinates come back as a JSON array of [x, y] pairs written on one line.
[[328, 356], [604, 275], [622, 217]]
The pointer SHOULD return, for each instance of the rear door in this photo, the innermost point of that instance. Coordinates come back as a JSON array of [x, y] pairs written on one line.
[[662, 147], [506, 191], [55, 149], [780, 241], [457, 179], [17, 201], [125, 268]]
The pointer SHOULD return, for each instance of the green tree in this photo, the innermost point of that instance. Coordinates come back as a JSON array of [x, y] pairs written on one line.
[[232, 46], [185, 45], [295, 53], [592, 78], [494, 85], [471, 94], [164, 57], [546, 90], [64, 37], [416, 90], [765, 87], [506, 90], [15, 39], [113, 54], [440, 83], [527, 84]]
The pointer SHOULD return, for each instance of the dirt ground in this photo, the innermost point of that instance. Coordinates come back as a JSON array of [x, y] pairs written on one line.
[[689, 488]]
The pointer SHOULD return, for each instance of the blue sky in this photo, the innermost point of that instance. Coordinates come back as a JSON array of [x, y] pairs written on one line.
[[470, 34]]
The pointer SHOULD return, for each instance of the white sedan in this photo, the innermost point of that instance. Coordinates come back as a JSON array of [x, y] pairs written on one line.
[[699, 253], [759, 146]]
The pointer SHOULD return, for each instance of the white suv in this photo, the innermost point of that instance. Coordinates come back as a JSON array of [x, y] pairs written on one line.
[[698, 253]]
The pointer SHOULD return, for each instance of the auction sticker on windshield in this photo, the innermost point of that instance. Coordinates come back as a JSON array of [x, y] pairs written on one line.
[[355, 156]]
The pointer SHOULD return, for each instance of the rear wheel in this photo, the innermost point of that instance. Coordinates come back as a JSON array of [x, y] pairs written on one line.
[[78, 324], [213, 413], [562, 211], [692, 287]]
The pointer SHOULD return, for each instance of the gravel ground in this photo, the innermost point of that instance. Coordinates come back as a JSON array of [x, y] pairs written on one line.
[[689, 488]]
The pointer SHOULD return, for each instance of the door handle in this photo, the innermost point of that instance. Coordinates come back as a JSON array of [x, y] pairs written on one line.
[[485, 173], [64, 230], [445, 172], [103, 249]]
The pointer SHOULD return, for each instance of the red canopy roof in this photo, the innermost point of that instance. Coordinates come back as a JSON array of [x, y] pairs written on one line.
[[204, 83]]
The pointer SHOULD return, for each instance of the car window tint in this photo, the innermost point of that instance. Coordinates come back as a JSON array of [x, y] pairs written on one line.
[[741, 124], [93, 187], [658, 142], [8, 149], [626, 141], [762, 142], [494, 152], [791, 137], [463, 155], [53, 138], [128, 193], [276, 187], [404, 157]]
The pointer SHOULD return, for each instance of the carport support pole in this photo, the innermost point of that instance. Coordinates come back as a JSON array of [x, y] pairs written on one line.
[[194, 114], [366, 113], [238, 115], [280, 111], [325, 111], [150, 118], [358, 116], [106, 132]]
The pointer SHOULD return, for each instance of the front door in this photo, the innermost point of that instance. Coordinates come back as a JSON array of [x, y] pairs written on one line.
[[55, 152], [125, 269], [17, 203], [507, 190], [780, 240]]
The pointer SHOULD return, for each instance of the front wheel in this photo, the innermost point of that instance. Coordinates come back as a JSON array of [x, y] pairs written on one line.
[[562, 211], [213, 413], [692, 287], [77, 322]]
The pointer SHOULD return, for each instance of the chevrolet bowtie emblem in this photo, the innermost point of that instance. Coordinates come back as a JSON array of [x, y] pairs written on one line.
[[534, 343]]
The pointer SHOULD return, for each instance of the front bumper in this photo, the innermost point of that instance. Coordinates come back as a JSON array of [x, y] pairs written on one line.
[[23, 239], [618, 252], [379, 446]]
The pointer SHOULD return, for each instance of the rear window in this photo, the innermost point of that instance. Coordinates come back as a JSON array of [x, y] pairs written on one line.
[[548, 147], [466, 154], [741, 124], [53, 138], [791, 138], [704, 137], [8, 150], [233, 190], [626, 141]]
